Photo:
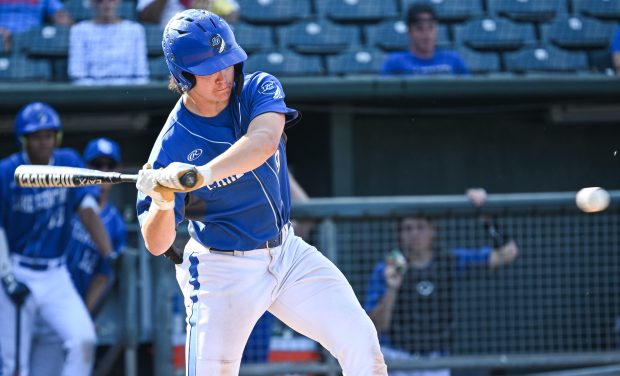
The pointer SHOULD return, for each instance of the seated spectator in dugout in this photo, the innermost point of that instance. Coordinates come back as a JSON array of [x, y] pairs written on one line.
[[410, 294], [161, 11], [18, 16], [615, 50], [423, 58], [107, 50]]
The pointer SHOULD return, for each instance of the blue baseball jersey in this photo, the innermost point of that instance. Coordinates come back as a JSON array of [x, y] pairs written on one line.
[[84, 260], [239, 212], [615, 42], [38, 220], [405, 63]]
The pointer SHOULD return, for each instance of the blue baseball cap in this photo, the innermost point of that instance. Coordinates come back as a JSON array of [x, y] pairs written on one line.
[[102, 147]]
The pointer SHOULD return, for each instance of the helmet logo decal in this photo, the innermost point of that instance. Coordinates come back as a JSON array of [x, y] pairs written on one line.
[[194, 154], [217, 42]]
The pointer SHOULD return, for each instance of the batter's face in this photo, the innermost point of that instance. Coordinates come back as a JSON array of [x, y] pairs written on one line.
[[423, 35], [40, 146], [416, 234], [215, 87]]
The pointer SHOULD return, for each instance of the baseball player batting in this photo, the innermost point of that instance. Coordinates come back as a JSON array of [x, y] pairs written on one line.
[[35, 228], [243, 257]]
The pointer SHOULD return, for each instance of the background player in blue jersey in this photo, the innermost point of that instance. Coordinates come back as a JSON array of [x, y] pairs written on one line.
[[92, 274], [243, 257], [35, 229], [423, 57]]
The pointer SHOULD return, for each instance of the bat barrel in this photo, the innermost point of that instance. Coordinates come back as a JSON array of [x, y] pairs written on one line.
[[129, 178]]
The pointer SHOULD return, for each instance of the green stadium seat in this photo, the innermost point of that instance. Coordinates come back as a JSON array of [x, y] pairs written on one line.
[[284, 63], [153, 35], [356, 61], [480, 62], [547, 59], [494, 34], [158, 69], [20, 68], [82, 10], [360, 11], [253, 38], [576, 32], [529, 11], [603, 9], [318, 37], [46, 41], [274, 11], [392, 36], [450, 10]]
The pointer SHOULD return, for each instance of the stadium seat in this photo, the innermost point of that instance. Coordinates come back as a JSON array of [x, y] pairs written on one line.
[[3, 49], [494, 34], [46, 41], [480, 62], [356, 61], [451, 10], [603, 9], [545, 59], [601, 61], [253, 38], [318, 37], [357, 11], [392, 36], [274, 11], [284, 63], [82, 10], [154, 35], [578, 32], [158, 69], [20, 68], [529, 11]]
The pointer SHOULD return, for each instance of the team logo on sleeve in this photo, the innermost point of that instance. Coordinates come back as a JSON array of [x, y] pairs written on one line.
[[194, 154], [271, 88]]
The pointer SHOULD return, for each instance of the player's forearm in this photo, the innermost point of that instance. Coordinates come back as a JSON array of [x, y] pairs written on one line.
[[381, 316], [158, 230], [96, 292], [152, 12], [96, 229]]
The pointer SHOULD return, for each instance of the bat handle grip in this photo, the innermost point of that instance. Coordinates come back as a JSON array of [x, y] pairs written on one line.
[[189, 179]]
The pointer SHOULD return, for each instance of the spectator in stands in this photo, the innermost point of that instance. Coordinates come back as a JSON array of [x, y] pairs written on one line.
[[17, 16], [161, 11], [409, 296], [107, 50], [423, 57], [615, 50]]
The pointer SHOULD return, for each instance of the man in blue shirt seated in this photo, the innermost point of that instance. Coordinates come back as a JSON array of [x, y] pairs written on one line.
[[423, 57]]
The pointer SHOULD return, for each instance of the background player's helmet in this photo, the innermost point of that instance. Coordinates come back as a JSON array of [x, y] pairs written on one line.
[[36, 116], [199, 42], [102, 148]]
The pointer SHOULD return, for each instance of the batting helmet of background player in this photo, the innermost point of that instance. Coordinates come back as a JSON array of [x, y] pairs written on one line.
[[34, 117], [198, 42]]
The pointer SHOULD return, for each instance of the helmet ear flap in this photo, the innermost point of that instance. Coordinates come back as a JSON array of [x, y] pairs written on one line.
[[189, 77]]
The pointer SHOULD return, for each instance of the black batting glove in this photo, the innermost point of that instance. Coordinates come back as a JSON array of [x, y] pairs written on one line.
[[174, 254], [16, 290]]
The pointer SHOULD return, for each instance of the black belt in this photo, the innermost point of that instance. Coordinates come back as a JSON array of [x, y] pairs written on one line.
[[41, 265], [276, 242]]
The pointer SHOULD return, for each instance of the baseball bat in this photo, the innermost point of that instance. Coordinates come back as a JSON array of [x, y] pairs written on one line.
[[36, 176], [18, 336]]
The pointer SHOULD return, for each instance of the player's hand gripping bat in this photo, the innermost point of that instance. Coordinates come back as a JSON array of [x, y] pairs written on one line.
[[35, 176]]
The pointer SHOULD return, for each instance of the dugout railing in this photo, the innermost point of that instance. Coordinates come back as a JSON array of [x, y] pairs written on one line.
[[556, 306]]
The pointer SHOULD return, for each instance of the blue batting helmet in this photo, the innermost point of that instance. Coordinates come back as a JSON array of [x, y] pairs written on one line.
[[199, 42], [102, 147], [34, 117]]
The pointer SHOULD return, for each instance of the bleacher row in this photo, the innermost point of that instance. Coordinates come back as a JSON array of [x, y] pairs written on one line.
[[337, 37]]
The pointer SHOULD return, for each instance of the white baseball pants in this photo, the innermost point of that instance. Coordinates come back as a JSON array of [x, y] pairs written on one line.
[[226, 294]]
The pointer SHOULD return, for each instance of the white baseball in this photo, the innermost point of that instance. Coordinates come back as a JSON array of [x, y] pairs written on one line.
[[592, 199]]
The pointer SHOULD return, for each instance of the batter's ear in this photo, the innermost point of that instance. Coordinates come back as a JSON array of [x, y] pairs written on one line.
[[23, 141], [58, 138]]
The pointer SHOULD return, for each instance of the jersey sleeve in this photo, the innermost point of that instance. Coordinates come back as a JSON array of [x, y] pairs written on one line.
[[471, 257], [53, 6], [263, 93], [615, 44], [376, 287]]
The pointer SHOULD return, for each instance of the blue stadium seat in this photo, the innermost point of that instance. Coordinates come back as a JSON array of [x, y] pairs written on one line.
[[158, 69], [392, 36], [82, 9], [46, 41], [318, 37], [253, 38], [357, 11], [529, 11], [20, 68], [153, 35], [284, 63], [480, 62], [496, 34], [603, 9], [356, 61], [578, 32], [546, 59], [451, 10], [274, 11]]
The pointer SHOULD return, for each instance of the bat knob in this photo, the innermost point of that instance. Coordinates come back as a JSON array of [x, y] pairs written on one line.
[[189, 179]]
